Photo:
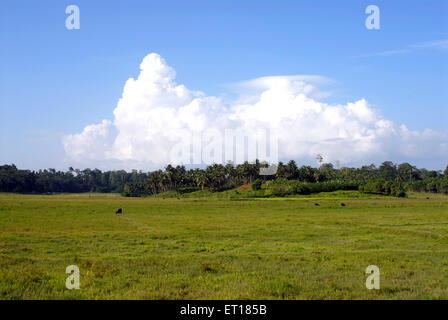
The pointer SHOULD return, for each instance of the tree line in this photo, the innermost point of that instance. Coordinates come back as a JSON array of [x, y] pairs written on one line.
[[71, 181], [389, 177], [220, 177]]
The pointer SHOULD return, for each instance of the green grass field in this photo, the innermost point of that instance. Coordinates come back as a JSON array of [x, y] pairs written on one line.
[[222, 248]]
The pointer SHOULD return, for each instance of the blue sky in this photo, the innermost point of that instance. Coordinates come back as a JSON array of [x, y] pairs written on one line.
[[55, 81]]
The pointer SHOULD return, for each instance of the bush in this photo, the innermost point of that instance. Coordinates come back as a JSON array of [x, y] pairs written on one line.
[[417, 186], [280, 190], [443, 185], [384, 187], [397, 191], [429, 184], [256, 185], [133, 190], [301, 189], [283, 187], [187, 190], [328, 186]]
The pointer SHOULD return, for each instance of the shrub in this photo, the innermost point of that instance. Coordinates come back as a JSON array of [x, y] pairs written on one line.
[[282, 187], [133, 190], [417, 186], [256, 185], [429, 184], [187, 190], [328, 186], [397, 191], [280, 190], [443, 185], [384, 187], [301, 189]]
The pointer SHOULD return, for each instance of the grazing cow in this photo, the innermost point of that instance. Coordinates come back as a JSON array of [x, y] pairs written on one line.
[[119, 211], [342, 204], [316, 204]]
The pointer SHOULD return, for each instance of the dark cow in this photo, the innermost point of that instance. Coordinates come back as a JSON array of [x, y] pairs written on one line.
[[119, 211]]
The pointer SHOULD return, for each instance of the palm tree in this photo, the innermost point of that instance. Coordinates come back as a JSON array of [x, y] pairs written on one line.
[[201, 179]]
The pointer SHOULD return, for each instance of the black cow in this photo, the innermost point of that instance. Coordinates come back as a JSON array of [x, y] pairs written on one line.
[[119, 211]]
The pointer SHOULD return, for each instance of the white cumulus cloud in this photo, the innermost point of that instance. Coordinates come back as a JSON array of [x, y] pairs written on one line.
[[155, 115]]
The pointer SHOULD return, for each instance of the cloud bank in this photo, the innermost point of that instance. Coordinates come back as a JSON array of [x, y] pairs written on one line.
[[155, 115]]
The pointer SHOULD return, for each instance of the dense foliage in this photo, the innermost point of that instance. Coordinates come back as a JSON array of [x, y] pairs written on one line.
[[74, 180], [388, 179], [256, 185], [282, 187], [384, 187]]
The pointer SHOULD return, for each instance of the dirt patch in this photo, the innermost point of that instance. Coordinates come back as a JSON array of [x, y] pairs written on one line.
[[244, 187]]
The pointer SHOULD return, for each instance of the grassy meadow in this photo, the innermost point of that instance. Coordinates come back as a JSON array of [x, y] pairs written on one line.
[[223, 247]]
